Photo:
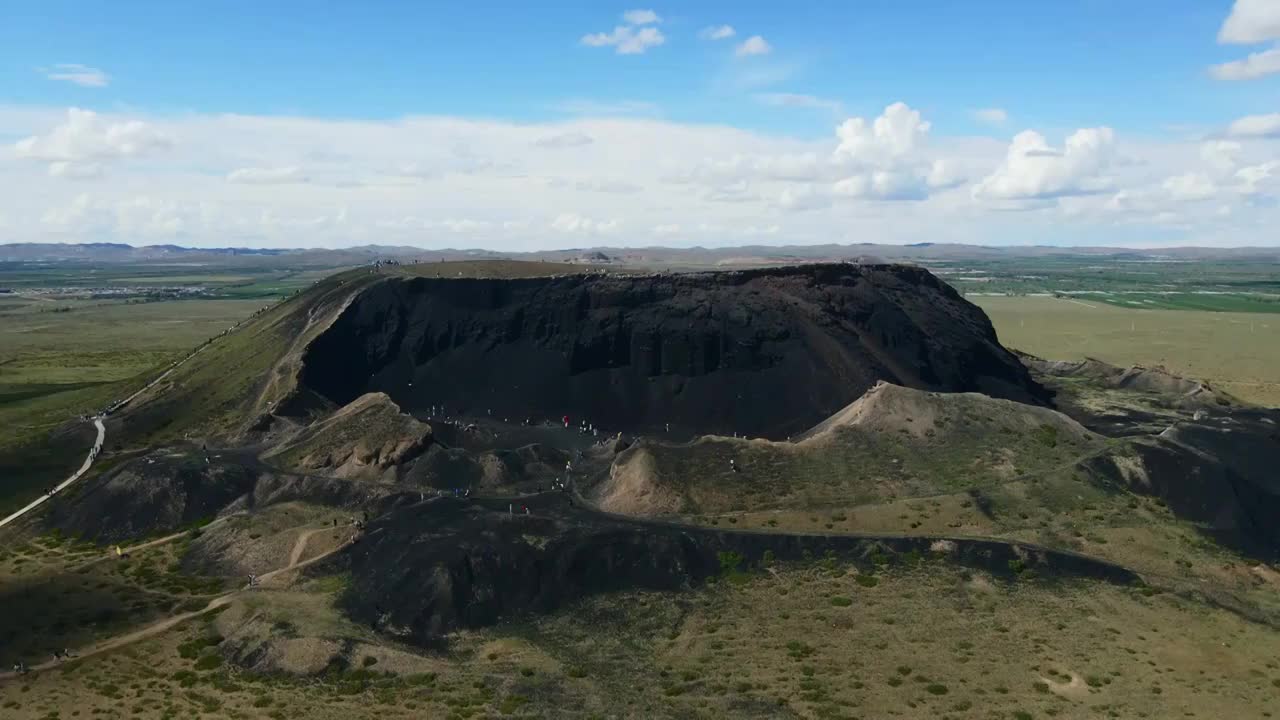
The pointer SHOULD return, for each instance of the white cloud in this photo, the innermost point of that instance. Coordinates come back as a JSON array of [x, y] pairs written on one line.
[[803, 197], [641, 17], [266, 176], [564, 140], [884, 159], [1033, 170], [798, 101], [75, 171], [1255, 126], [1251, 21], [82, 137], [991, 116], [1256, 65], [607, 186], [627, 40], [575, 223], [754, 45], [717, 32], [431, 181], [1190, 186], [1221, 155], [81, 75], [667, 229], [897, 132]]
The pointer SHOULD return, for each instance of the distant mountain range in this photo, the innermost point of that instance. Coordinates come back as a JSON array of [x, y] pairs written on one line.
[[696, 256]]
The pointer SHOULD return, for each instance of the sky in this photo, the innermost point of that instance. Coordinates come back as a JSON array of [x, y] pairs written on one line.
[[522, 126]]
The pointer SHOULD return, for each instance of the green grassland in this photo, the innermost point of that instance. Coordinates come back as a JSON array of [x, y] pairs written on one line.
[[1237, 352], [805, 640], [1244, 286]]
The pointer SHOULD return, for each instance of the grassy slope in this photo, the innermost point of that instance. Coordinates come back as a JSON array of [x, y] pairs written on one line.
[[1234, 351], [807, 641]]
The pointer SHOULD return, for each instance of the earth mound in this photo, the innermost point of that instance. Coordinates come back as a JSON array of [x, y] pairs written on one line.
[[764, 352], [892, 442], [367, 437]]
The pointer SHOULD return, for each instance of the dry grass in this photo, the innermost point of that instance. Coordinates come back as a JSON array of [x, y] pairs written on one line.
[[1235, 351]]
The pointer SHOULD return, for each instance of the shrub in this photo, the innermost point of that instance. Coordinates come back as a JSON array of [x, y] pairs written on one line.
[[866, 580], [1046, 435], [841, 601], [369, 660], [1041, 687], [526, 671], [894, 681], [208, 662], [936, 689]]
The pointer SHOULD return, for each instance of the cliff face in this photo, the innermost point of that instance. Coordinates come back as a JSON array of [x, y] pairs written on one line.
[[764, 352]]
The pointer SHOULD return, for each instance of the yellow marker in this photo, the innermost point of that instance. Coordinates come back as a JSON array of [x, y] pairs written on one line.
[[118, 553]]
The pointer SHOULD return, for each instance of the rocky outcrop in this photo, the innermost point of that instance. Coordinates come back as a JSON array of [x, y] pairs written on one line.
[[763, 352], [428, 569], [366, 437]]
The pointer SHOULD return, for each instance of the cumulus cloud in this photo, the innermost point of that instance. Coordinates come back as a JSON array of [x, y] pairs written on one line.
[[75, 171], [607, 186], [884, 159], [1251, 21], [1032, 170], [564, 140], [1256, 126], [991, 116], [76, 74], [641, 17], [266, 176], [79, 146], [1190, 186], [1221, 155], [754, 45], [627, 39], [803, 197], [1256, 65], [484, 180], [578, 224], [717, 32]]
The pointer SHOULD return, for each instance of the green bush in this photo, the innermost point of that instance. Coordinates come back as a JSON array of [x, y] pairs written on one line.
[[936, 689], [841, 601], [208, 662]]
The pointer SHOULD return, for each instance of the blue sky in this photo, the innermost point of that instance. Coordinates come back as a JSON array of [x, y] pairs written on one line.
[[1140, 69], [1058, 63]]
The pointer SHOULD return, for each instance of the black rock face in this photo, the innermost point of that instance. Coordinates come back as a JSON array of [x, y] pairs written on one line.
[[763, 352], [430, 568]]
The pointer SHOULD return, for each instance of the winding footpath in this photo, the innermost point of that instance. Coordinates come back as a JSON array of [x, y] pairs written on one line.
[[102, 436], [84, 468], [217, 602]]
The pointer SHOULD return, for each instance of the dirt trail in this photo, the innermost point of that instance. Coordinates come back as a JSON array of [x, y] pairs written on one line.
[[102, 430], [299, 548]]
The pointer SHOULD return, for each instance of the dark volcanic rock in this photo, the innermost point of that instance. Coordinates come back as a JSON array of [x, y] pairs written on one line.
[[1219, 473], [764, 352], [427, 569]]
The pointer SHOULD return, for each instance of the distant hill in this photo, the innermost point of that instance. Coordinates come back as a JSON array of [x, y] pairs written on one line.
[[745, 255]]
